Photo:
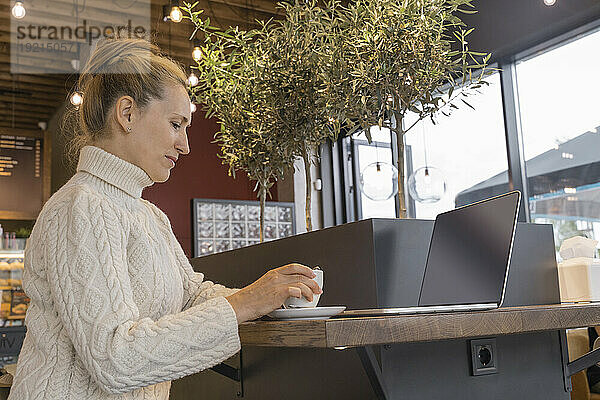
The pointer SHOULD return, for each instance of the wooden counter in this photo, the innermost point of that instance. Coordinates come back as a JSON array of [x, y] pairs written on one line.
[[365, 331]]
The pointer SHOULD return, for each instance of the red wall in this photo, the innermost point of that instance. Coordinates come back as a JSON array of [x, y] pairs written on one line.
[[200, 174]]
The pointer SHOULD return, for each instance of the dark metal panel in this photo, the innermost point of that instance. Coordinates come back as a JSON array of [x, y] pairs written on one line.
[[344, 253], [338, 183], [533, 274], [327, 187], [411, 209], [355, 172], [290, 374], [400, 255], [517, 175], [380, 262], [506, 27], [356, 178], [529, 367], [348, 179]]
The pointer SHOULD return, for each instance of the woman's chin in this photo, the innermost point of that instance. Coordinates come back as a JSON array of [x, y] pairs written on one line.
[[162, 177]]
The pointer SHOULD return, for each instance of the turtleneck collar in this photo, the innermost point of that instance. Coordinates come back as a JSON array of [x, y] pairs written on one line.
[[114, 170]]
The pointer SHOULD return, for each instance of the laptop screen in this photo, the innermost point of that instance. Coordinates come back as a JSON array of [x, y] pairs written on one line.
[[469, 253]]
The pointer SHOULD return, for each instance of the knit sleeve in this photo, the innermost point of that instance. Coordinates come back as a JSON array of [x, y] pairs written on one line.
[[89, 283], [196, 289]]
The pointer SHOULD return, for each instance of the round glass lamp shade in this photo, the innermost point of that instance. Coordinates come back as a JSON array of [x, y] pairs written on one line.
[[379, 181], [427, 185]]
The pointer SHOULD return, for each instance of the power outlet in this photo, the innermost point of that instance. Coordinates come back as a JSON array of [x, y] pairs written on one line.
[[484, 356]]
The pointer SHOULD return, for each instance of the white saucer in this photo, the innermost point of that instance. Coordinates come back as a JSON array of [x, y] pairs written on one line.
[[306, 313]]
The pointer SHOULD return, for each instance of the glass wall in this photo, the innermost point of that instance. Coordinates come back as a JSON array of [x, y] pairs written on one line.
[[468, 149], [560, 122], [365, 156]]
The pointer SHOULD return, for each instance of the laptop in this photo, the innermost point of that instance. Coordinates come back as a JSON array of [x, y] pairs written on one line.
[[468, 259]]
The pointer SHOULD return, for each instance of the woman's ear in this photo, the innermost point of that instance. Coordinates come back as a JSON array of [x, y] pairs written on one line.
[[124, 108]]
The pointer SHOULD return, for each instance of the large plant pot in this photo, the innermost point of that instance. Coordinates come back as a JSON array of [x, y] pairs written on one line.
[[380, 262]]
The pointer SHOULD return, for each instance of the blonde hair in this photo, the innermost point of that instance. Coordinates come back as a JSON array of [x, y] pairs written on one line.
[[117, 67]]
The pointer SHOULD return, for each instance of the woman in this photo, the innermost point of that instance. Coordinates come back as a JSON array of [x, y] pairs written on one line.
[[116, 310]]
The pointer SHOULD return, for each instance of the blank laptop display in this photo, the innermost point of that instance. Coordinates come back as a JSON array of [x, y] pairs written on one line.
[[468, 260], [469, 253]]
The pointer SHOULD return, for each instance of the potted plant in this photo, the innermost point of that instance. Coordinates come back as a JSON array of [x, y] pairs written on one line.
[[231, 88], [394, 57], [291, 84], [268, 85]]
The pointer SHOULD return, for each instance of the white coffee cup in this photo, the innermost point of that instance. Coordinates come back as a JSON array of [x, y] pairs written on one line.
[[294, 302]]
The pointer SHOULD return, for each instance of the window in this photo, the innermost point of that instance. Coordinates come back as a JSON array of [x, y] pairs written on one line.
[[558, 100], [468, 148], [365, 154]]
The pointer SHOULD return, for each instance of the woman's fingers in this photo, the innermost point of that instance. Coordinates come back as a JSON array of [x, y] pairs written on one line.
[[292, 269], [314, 286], [305, 291], [294, 291]]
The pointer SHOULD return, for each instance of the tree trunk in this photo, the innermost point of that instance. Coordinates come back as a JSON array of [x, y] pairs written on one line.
[[400, 145], [263, 198], [306, 158]]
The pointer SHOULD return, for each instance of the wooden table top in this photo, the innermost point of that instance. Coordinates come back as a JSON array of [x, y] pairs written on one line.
[[338, 332]]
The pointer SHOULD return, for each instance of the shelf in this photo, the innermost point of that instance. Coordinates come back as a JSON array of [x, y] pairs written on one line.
[[8, 253], [366, 331]]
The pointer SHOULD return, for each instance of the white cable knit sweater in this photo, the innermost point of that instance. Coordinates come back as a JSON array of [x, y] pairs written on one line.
[[116, 310]]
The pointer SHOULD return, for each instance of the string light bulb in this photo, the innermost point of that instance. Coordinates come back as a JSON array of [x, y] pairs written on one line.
[[192, 79], [196, 53], [176, 15], [549, 2], [76, 99], [18, 10]]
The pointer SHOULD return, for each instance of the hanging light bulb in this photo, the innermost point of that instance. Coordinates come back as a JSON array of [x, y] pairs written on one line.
[[76, 99], [427, 177], [176, 15], [193, 107], [18, 10], [196, 53], [549, 2], [379, 181], [192, 79], [427, 185]]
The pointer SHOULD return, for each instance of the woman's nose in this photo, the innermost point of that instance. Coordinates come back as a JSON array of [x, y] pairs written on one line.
[[183, 146]]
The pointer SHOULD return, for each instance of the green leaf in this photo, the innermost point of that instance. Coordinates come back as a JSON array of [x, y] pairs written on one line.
[[464, 101]]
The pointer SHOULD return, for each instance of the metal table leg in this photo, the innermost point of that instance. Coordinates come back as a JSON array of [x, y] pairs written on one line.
[[373, 370], [232, 373]]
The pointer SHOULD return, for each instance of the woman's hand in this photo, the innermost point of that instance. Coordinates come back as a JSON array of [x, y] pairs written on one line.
[[272, 289]]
